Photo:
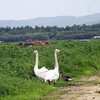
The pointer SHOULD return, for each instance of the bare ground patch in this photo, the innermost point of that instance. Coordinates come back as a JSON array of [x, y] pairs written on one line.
[[83, 92], [87, 89]]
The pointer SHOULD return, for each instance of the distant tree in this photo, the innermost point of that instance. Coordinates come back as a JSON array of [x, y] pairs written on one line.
[[50, 32]]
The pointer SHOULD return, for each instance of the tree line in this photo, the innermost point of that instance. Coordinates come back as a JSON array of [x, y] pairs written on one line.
[[14, 34]]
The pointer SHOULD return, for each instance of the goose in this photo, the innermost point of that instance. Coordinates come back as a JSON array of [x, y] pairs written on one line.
[[53, 75], [65, 78], [40, 73]]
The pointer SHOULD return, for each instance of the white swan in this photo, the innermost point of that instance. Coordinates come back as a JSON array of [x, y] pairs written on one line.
[[53, 75], [40, 73]]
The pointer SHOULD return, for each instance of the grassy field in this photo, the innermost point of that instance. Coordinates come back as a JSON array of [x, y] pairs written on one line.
[[17, 80]]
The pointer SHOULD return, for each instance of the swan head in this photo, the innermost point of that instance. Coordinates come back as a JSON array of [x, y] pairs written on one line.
[[35, 51], [57, 50]]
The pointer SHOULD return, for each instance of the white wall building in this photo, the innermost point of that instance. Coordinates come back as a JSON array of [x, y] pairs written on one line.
[[1, 41], [96, 37]]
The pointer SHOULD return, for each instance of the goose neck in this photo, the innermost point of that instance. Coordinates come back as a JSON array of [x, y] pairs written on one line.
[[61, 74]]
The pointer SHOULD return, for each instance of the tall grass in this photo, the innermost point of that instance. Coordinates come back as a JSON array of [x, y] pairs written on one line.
[[17, 78]]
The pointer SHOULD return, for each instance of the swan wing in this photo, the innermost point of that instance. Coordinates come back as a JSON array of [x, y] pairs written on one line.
[[42, 72], [51, 75], [43, 69]]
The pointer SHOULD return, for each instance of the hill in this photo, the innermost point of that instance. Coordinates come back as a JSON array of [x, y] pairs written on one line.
[[60, 21]]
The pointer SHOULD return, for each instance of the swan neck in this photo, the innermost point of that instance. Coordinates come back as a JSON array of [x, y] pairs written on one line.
[[56, 62], [36, 62]]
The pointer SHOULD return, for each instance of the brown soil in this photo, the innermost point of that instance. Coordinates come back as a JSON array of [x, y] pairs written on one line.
[[86, 89], [83, 92]]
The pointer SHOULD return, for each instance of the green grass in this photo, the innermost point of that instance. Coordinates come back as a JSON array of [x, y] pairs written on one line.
[[14, 88], [17, 79]]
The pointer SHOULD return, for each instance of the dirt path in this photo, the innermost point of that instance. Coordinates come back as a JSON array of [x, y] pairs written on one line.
[[86, 89], [84, 92]]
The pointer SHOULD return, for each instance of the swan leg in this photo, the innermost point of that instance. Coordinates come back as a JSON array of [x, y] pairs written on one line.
[[54, 83], [42, 80], [49, 82]]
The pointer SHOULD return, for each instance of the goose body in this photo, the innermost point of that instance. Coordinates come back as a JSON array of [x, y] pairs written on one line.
[[40, 73], [65, 78], [53, 75]]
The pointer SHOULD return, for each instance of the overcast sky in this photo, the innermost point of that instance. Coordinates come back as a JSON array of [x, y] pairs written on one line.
[[29, 9]]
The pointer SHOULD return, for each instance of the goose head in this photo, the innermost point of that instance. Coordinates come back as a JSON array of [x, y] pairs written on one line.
[[57, 50], [61, 72], [36, 52]]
